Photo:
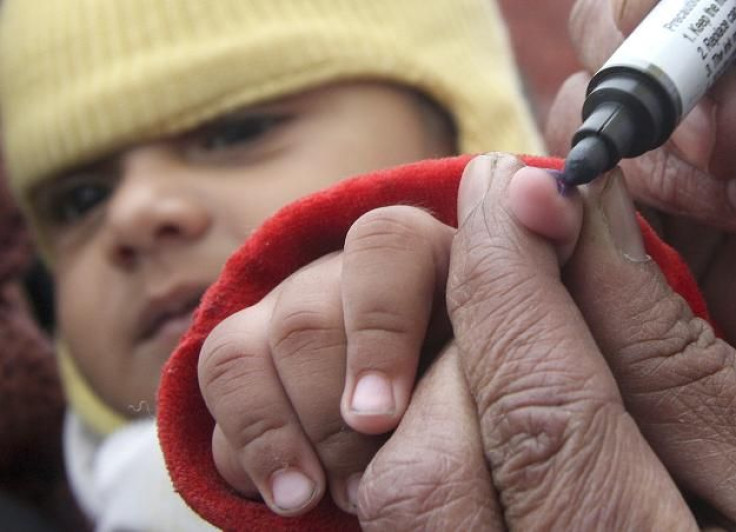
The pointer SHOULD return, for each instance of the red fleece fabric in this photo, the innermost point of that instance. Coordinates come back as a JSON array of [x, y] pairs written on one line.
[[295, 236]]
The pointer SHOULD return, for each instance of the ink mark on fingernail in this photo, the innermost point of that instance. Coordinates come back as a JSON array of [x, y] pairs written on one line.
[[563, 188]]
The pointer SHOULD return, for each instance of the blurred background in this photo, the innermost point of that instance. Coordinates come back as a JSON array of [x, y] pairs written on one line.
[[539, 33]]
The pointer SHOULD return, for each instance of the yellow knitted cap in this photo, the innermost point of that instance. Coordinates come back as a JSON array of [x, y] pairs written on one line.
[[82, 79]]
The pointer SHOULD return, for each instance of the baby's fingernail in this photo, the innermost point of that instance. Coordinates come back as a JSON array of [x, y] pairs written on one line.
[[373, 395], [473, 186], [352, 487], [621, 217], [291, 489]]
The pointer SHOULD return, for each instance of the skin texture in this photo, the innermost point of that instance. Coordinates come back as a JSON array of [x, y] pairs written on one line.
[[344, 308], [687, 190]]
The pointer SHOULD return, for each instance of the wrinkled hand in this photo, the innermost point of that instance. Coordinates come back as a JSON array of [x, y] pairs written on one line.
[[349, 329], [693, 173], [547, 420], [676, 379], [688, 185]]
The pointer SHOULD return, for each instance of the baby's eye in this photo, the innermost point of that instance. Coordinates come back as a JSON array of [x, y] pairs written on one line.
[[236, 132], [71, 202]]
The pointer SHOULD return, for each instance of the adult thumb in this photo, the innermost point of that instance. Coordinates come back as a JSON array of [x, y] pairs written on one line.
[[554, 430]]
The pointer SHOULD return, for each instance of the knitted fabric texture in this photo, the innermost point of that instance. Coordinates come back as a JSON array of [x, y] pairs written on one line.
[[295, 236], [83, 79]]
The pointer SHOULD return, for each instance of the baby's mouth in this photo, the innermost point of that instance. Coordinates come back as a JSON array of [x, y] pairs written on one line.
[[176, 324], [170, 316]]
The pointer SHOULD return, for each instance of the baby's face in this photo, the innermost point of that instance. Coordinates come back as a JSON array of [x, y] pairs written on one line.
[[137, 238]]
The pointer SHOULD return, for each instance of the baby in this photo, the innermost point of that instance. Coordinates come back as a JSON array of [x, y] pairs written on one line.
[[146, 139]]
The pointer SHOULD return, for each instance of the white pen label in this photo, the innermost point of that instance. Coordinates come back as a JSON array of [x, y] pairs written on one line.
[[690, 41]]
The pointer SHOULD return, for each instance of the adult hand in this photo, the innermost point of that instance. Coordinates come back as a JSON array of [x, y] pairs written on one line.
[[693, 173], [686, 188], [564, 448]]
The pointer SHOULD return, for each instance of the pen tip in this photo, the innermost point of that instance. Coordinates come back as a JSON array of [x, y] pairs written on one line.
[[587, 160]]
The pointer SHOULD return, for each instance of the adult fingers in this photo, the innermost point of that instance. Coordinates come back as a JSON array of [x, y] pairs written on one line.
[[394, 272], [598, 27], [431, 474], [692, 174], [243, 392], [661, 178], [678, 380], [564, 116], [562, 450]]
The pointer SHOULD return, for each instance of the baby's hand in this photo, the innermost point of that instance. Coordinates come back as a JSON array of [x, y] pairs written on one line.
[[337, 342]]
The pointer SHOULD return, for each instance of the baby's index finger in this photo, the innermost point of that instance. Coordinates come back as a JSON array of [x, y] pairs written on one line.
[[394, 272], [541, 202]]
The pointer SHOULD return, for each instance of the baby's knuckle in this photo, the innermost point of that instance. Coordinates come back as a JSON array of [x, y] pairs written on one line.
[[224, 365], [304, 327], [379, 321], [387, 228], [261, 432]]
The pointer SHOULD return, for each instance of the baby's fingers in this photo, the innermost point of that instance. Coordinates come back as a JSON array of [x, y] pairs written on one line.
[[243, 392], [307, 342], [394, 274], [228, 465]]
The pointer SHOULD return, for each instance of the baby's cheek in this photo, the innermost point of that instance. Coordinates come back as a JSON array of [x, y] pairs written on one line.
[[541, 205]]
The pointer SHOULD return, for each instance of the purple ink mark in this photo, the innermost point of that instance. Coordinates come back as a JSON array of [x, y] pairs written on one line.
[[563, 187]]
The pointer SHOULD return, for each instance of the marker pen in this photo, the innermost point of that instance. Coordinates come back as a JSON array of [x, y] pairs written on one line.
[[650, 83]]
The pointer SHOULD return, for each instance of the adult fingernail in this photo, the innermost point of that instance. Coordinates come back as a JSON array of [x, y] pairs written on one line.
[[620, 216], [352, 487], [373, 395], [291, 489], [473, 186]]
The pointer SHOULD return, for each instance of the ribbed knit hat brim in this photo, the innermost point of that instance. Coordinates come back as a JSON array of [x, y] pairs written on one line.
[[82, 79]]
